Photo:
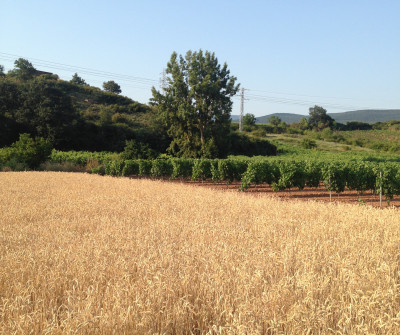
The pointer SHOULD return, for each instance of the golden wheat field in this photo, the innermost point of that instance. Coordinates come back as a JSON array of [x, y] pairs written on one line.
[[85, 254]]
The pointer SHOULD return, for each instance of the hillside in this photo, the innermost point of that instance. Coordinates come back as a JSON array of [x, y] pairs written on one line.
[[368, 116], [73, 116], [285, 117]]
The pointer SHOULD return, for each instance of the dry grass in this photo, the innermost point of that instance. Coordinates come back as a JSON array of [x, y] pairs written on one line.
[[84, 254]]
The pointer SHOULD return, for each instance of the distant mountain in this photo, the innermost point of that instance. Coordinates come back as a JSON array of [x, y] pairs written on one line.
[[286, 117], [368, 116]]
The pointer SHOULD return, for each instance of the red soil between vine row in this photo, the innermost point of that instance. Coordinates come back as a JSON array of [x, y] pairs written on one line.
[[308, 193]]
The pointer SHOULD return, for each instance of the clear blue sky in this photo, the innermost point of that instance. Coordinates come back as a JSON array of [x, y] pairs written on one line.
[[342, 55]]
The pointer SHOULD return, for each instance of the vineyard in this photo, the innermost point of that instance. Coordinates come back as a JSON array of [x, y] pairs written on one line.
[[336, 173]]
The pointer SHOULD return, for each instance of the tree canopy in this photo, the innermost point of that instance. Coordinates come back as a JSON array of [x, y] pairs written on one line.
[[112, 86], [196, 103], [318, 118], [23, 69], [274, 120], [77, 80], [249, 119]]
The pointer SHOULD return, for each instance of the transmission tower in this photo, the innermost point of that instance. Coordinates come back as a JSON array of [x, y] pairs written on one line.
[[241, 110], [163, 81]]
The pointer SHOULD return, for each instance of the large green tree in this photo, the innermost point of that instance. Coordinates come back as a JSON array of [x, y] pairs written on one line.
[[23, 69], [195, 104], [112, 86], [249, 119], [77, 80], [274, 120], [318, 118]]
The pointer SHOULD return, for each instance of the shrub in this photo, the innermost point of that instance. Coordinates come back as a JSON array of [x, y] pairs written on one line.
[[138, 150], [308, 144], [26, 153]]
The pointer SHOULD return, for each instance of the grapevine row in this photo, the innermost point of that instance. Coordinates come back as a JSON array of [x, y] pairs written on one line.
[[280, 174]]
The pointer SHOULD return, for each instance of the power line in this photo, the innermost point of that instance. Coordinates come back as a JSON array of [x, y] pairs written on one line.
[[84, 70], [146, 83], [288, 101], [300, 95]]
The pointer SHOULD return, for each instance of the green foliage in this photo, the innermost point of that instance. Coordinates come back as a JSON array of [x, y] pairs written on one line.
[[355, 125], [114, 168], [26, 153], [98, 170], [274, 120], [77, 80], [308, 144], [303, 124], [71, 114], [131, 168], [318, 118], [313, 172], [82, 157], [231, 170], [361, 176], [23, 69], [291, 174], [201, 169], [249, 119], [388, 177], [181, 168], [335, 175], [40, 109], [337, 172], [259, 172], [137, 150], [241, 144], [112, 87], [196, 104], [161, 168], [144, 167]]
